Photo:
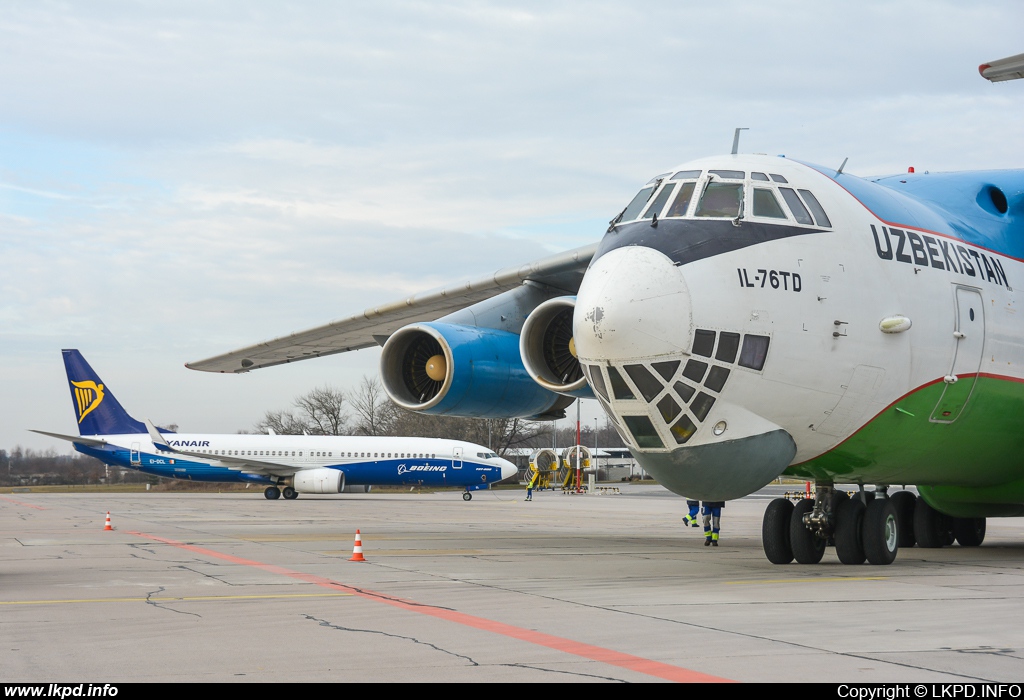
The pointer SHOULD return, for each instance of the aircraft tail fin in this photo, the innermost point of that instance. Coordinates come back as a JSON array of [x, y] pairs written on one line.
[[96, 409]]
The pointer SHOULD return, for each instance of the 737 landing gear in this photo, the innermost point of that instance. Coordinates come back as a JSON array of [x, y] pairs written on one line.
[[857, 531], [290, 493], [467, 496], [272, 493]]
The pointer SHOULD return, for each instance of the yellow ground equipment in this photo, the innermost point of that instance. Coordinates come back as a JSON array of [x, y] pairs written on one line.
[[544, 466], [569, 479]]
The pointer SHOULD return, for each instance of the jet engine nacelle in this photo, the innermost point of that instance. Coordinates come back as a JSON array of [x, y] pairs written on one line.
[[459, 370], [548, 349], [319, 481]]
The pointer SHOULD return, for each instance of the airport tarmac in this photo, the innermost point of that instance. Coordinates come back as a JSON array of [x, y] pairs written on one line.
[[566, 588]]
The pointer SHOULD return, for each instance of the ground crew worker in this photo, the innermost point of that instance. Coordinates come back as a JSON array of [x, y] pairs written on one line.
[[691, 518], [712, 522], [529, 487]]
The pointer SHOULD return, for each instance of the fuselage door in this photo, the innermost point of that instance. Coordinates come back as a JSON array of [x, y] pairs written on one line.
[[457, 458], [969, 337], [134, 456]]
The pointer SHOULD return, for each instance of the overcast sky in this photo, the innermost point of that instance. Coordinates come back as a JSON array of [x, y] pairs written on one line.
[[182, 179]]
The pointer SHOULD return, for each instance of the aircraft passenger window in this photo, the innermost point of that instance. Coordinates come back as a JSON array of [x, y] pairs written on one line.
[[819, 214], [682, 202], [687, 175], [669, 409], [765, 204], [644, 434], [683, 430], [635, 207], [330, 454], [728, 344], [703, 343], [644, 380], [720, 199], [796, 206], [619, 386], [659, 201], [779, 178], [695, 370], [716, 378], [754, 352], [666, 369], [701, 405], [759, 176], [728, 174], [596, 378]]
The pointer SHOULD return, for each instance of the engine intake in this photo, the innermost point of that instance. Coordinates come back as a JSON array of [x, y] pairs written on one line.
[[548, 350], [451, 369]]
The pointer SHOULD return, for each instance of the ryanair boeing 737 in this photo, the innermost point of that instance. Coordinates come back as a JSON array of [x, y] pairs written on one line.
[[286, 465]]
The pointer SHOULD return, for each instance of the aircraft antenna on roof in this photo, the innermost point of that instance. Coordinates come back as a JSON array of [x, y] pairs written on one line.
[[840, 171], [736, 138]]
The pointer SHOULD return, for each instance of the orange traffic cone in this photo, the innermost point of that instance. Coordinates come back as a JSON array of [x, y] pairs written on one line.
[[357, 549], [107, 526]]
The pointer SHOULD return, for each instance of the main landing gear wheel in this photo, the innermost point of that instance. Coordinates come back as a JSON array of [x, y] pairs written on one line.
[[467, 496], [775, 531], [848, 535], [272, 493], [808, 548], [881, 532], [970, 532], [931, 528], [290, 493], [904, 502]]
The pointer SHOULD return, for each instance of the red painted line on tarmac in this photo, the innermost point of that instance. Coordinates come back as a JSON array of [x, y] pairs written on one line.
[[586, 651], [19, 503]]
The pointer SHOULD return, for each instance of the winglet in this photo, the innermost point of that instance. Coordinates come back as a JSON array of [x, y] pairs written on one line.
[[158, 440]]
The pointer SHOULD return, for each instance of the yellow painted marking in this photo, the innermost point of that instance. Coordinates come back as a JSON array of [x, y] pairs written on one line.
[[172, 599], [810, 580]]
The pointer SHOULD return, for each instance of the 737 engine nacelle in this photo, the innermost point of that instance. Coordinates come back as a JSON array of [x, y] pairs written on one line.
[[548, 350], [319, 481], [459, 370]]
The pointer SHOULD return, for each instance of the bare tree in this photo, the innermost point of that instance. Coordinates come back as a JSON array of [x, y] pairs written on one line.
[[282, 423], [376, 414], [323, 410]]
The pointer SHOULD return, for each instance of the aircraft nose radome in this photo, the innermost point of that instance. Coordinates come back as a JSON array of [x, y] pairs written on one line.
[[508, 470], [633, 302]]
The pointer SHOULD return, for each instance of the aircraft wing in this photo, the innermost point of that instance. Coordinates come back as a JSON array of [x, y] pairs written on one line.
[[245, 465], [1010, 68], [374, 325]]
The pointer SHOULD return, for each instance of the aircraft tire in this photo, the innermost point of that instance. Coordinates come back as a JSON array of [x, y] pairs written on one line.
[[467, 496], [775, 531], [929, 526], [904, 502], [272, 493], [970, 532], [881, 532], [290, 493], [849, 531], [807, 547]]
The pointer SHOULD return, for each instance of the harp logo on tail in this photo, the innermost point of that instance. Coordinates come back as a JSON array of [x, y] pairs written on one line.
[[89, 395]]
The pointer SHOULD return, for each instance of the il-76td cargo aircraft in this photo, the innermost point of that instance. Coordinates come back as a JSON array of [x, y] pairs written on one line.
[[746, 317], [285, 464]]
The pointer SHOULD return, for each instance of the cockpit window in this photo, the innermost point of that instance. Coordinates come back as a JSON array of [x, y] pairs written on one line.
[[657, 178], [634, 208], [759, 176], [721, 199], [659, 201], [796, 206], [765, 204], [819, 214], [779, 178], [687, 175], [728, 174], [682, 202]]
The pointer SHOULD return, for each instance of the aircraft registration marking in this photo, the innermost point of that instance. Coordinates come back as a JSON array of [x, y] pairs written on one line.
[[776, 279]]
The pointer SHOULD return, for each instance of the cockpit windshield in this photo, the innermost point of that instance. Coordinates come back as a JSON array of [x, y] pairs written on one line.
[[721, 199]]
